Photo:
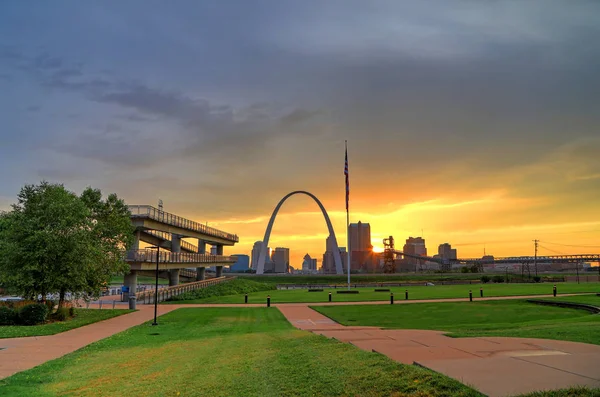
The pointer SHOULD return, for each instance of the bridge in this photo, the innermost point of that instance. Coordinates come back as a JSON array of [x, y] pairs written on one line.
[[165, 230], [525, 260]]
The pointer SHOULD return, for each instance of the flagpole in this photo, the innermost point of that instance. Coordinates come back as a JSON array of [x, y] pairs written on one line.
[[347, 217]]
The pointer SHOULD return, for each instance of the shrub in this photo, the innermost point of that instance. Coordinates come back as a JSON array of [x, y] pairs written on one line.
[[50, 303], [62, 313], [33, 314], [8, 316], [72, 311], [485, 279], [233, 287], [537, 279], [498, 279]]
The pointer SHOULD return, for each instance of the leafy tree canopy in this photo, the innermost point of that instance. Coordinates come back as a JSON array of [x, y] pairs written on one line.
[[54, 241]]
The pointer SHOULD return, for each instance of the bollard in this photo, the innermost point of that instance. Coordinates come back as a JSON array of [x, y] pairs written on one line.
[[268, 300], [554, 290], [481, 292], [132, 302], [114, 304], [246, 298], [470, 296], [406, 294], [87, 305], [330, 297], [100, 305], [391, 298]]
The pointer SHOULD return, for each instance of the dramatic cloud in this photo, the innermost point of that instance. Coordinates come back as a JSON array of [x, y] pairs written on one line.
[[461, 118]]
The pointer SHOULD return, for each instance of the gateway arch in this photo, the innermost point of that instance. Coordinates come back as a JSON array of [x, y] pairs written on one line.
[[265, 243]]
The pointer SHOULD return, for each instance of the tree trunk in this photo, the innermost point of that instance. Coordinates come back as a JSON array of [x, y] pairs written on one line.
[[61, 298]]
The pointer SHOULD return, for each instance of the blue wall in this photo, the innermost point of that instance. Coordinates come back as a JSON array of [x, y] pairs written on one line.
[[242, 264]]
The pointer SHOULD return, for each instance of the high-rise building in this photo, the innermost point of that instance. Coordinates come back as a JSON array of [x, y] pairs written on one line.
[[281, 260], [255, 254], [361, 250], [446, 252], [414, 246], [328, 264], [242, 263], [360, 236]]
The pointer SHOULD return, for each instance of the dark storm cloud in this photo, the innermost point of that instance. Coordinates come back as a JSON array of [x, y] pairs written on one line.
[[450, 87]]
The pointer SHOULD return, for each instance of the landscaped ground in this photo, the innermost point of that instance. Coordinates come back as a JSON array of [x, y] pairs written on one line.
[[514, 318], [226, 352], [415, 292], [591, 299], [83, 317]]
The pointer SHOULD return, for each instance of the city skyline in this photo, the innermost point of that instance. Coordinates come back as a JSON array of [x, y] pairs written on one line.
[[471, 124]]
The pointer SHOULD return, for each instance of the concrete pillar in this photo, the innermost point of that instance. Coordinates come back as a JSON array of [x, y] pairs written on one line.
[[173, 277], [175, 243], [219, 271], [201, 246], [219, 249], [131, 282], [200, 273], [136, 241]]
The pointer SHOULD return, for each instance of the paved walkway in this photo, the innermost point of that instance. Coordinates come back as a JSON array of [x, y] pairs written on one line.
[[494, 366]]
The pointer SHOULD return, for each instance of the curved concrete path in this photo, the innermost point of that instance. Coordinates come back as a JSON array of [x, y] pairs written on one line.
[[494, 366]]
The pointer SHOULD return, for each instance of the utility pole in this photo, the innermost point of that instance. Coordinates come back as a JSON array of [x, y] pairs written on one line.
[[535, 255]]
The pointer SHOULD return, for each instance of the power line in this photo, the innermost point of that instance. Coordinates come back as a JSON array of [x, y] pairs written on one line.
[[571, 245], [553, 251]]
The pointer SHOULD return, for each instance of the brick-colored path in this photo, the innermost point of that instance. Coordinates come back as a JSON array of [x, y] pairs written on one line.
[[494, 366], [19, 354]]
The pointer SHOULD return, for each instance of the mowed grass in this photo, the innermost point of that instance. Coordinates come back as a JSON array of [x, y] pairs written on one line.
[[591, 299], [414, 292], [82, 317], [515, 318], [226, 352]]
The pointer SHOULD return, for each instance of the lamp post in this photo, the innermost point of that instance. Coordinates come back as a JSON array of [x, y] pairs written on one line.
[[156, 284]]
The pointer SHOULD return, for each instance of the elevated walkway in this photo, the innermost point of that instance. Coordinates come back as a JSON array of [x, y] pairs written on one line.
[[163, 239], [147, 217], [145, 259]]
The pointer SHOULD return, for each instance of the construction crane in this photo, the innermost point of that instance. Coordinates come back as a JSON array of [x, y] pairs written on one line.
[[389, 265]]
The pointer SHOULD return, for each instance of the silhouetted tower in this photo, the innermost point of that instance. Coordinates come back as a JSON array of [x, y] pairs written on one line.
[[389, 265]]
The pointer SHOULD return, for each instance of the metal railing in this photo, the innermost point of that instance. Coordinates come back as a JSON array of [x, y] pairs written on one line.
[[165, 293], [149, 255], [168, 237], [148, 211]]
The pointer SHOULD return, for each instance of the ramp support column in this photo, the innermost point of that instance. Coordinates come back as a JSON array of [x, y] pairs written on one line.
[[200, 273], [219, 271], [130, 282], [173, 277]]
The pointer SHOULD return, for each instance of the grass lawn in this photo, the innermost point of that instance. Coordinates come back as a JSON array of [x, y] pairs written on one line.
[[376, 278], [514, 318], [226, 352], [415, 292], [591, 299], [82, 317]]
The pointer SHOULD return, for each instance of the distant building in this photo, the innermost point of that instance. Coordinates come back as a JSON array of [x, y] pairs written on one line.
[[255, 254], [361, 250], [242, 264], [309, 265], [415, 246], [281, 260], [446, 252], [360, 236], [328, 264]]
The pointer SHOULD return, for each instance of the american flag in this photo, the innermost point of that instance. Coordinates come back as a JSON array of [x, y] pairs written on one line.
[[347, 182]]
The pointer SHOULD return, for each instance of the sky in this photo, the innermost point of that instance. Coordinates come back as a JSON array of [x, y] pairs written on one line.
[[473, 123]]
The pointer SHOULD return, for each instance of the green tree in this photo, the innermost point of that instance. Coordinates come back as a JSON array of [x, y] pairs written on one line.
[[56, 242]]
